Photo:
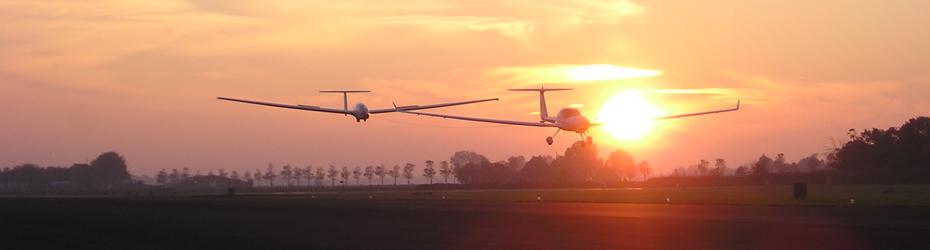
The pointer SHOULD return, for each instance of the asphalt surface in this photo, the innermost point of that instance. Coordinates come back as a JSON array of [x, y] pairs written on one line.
[[303, 223]]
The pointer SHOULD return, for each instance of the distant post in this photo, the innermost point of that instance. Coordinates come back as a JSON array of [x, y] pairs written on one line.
[[800, 190]]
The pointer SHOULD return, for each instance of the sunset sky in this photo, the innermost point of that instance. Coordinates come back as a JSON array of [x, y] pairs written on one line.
[[78, 78]]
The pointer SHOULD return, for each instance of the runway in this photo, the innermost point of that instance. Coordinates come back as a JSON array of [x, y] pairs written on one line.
[[303, 223]]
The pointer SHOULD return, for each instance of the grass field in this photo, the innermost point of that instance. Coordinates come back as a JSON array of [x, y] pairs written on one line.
[[818, 195]]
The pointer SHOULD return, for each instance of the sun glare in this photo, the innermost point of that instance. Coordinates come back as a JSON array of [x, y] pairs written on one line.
[[628, 115], [602, 72]]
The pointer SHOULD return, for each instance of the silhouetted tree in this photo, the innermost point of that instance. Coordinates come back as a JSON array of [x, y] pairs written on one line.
[[356, 173], [161, 177], [257, 175], [28, 174], [515, 163], [308, 175], [320, 175], [286, 173], [620, 161], [429, 172], [498, 172], [369, 173], [107, 169], [222, 173], [903, 150], [645, 170], [380, 172], [465, 165], [912, 148], [761, 167], [462, 158], [408, 172], [445, 170], [578, 164], [811, 163], [185, 174], [394, 173], [720, 167], [174, 176], [270, 175], [298, 174], [345, 175], [248, 177], [234, 175], [429, 164], [741, 171], [780, 164], [703, 167], [537, 170], [332, 174]]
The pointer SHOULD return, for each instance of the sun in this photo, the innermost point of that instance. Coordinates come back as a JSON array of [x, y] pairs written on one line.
[[628, 115]]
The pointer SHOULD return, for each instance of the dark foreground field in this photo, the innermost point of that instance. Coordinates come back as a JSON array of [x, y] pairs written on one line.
[[303, 223]]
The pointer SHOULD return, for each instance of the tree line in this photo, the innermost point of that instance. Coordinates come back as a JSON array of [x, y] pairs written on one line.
[[107, 170], [899, 155], [892, 155], [764, 165], [309, 176], [578, 166]]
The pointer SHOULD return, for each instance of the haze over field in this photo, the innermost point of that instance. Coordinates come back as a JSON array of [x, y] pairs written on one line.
[[79, 78]]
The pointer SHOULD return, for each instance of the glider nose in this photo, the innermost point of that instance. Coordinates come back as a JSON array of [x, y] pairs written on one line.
[[578, 124], [362, 115], [584, 123]]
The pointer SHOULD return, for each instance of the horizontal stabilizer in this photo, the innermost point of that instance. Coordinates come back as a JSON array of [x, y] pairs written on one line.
[[541, 89]]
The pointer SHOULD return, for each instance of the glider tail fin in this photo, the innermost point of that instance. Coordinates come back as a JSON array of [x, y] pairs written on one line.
[[543, 110], [345, 96]]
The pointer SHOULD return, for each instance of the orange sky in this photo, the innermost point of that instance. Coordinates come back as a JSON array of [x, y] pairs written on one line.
[[81, 77]]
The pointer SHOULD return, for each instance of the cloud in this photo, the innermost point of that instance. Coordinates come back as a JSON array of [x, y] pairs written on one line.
[[772, 90], [513, 18], [103, 43], [442, 24], [701, 91], [569, 73]]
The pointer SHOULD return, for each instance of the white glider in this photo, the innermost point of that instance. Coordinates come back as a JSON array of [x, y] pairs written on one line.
[[569, 119], [360, 111]]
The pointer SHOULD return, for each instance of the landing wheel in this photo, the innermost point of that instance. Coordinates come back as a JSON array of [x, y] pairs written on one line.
[[549, 140], [589, 140]]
